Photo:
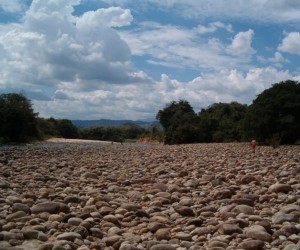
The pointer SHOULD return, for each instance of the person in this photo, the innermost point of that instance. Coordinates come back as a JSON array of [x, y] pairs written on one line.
[[253, 145]]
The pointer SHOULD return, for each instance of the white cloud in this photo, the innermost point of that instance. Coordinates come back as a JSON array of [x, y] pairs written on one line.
[[174, 46], [12, 6], [212, 27], [143, 101], [53, 48], [291, 43], [241, 43], [274, 11], [84, 65]]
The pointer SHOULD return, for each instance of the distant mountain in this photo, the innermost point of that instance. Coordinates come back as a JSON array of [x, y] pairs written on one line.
[[110, 123]]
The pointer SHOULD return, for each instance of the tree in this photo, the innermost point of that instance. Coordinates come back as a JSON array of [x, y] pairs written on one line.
[[275, 114], [179, 122], [67, 129], [18, 121], [220, 122]]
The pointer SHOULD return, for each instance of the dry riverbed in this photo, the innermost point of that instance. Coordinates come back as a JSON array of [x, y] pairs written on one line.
[[61, 195]]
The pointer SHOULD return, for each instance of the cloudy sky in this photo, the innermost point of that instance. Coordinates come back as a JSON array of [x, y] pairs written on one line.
[[126, 59]]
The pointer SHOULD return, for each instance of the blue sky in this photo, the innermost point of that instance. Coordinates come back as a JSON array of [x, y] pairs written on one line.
[[127, 59]]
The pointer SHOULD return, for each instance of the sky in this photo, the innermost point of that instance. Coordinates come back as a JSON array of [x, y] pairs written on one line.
[[127, 59]]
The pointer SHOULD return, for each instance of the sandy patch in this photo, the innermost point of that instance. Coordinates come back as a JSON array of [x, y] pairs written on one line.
[[63, 140]]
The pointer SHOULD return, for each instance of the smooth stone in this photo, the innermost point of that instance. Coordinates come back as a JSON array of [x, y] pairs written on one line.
[[162, 247], [11, 236], [127, 246], [184, 211], [292, 247], [197, 222], [96, 232], [111, 218], [279, 218], [131, 206], [75, 221], [244, 209], [280, 187], [111, 240], [161, 186], [258, 232], [183, 236], [216, 243], [163, 234], [154, 226], [20, 207], [15, 215], [69, 236], [247, 179], [229, 228], [72, 199], [132, 238], [30, 233], [89, 175], [50, 207], [252, 245]]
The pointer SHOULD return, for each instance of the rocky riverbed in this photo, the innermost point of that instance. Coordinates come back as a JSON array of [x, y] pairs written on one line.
[[102, 196]]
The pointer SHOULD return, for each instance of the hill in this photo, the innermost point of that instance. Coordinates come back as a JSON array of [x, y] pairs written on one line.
[[110, 123]]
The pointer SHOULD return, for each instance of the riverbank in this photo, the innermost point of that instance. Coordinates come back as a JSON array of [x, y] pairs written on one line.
[[104, 196]]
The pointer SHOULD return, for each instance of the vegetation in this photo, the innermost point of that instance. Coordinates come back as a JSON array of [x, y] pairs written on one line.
[[275, 114], [117, 134], [180, 123], [273, 118], [18, 120]]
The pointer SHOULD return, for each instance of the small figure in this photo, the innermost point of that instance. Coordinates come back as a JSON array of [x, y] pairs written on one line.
[[253, 145]]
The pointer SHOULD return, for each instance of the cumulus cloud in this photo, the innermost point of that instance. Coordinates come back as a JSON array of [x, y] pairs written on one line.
[[51, 47], [175, 46], [80, 67], [291, 43], [132, 102], [241, 43]]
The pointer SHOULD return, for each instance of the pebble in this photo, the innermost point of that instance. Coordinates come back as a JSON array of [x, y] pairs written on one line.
[[136, 196]]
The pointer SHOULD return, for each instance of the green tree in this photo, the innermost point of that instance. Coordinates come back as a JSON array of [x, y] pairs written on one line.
[[180, 123], [275, 114], [48, 127], [220, 122], [18, 120], [67, 129]]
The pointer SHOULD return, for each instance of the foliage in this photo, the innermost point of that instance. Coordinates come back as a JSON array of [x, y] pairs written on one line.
[[117, 134], [275, 112], [57, 128], [180, 123], [18, 120], [220, 122]]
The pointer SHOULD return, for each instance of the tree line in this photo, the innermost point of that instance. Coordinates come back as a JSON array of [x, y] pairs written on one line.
[[19, 123], [272, 118]]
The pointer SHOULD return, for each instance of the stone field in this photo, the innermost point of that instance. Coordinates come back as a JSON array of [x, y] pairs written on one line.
[[62, 196]]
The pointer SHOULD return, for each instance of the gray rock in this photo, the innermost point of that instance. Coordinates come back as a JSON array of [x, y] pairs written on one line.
[[50, 207], [229, 228], [15, 215], [258, 233], [279, 218], [69, 236], [163, 234], [292, 247], [162, 247], [251, 245], [184, 211], [280, 187]]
